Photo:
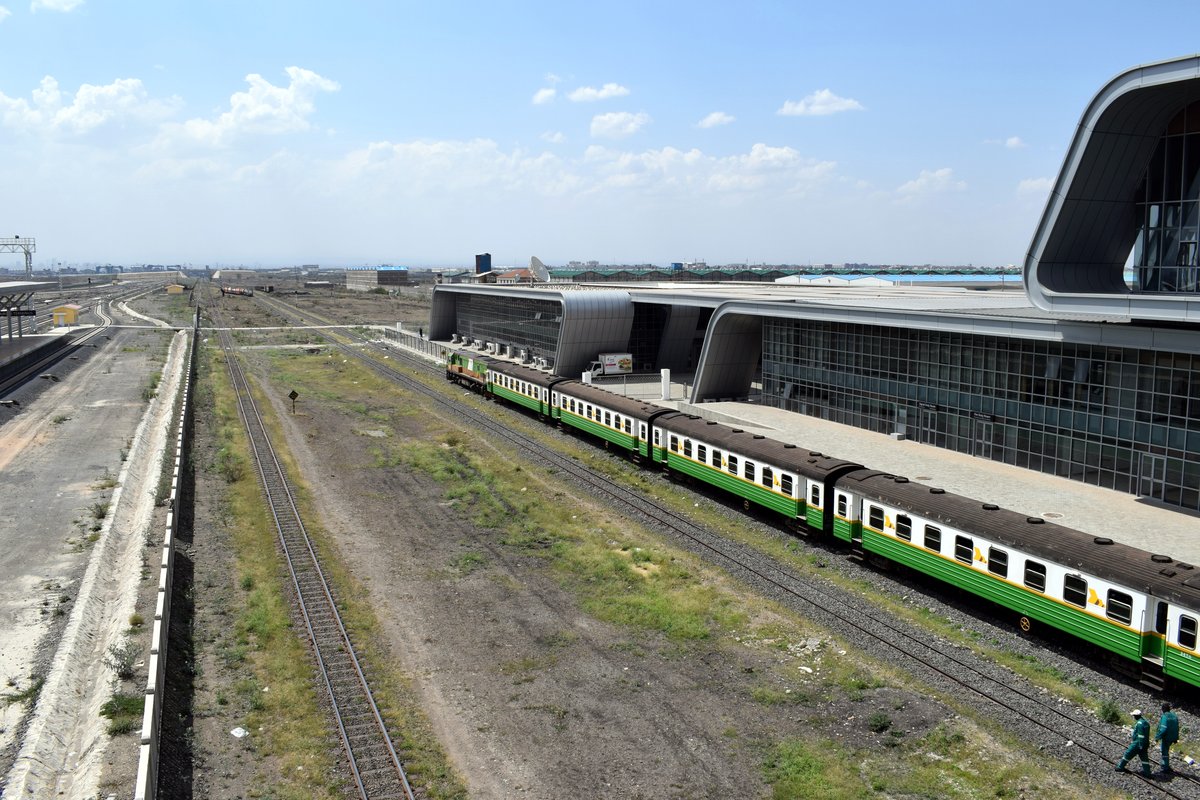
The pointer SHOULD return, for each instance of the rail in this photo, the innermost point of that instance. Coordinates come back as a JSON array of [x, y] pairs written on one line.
[[374, 764]]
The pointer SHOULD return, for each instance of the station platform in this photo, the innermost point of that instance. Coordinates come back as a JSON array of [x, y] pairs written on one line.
[[1124, 518], [19, 351]]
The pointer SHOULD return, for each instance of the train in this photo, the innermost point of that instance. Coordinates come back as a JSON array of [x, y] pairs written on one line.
[[1141, 608], [243, 291]]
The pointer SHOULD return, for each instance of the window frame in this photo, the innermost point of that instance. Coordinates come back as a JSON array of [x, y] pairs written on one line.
[[964, 544], [1037, 569], [1076, 595], [993, 552]]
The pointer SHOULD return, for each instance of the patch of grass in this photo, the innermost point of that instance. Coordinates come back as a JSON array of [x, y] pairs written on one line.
[[800, 769], [108, 481], [59, 419], [774, 696], [99, 510], [124, 713], [27, 695], [467, 563]]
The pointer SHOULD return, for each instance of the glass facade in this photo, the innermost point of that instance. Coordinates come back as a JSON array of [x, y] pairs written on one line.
[[1165, 253], [523, 323], [1119, 418]]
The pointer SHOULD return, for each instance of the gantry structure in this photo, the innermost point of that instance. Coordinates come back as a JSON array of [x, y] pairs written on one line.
[[26, 245]]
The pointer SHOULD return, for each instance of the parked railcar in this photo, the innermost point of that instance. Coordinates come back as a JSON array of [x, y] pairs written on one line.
[[467, 369], [783, 478], [522, 386], [1136, 605], [1142, 608], [616, 420]]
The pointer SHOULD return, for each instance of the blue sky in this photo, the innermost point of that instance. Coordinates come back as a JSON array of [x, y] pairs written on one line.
[[278, 133]]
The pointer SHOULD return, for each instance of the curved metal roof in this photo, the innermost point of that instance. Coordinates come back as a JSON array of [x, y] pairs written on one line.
[[1077, 257]]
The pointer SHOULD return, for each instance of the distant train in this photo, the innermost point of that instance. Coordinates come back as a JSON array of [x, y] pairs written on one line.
[[1141, 607], [243, 291]]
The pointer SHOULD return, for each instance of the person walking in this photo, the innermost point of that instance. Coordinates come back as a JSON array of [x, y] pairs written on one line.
[[1139, 744], [1167, 735]]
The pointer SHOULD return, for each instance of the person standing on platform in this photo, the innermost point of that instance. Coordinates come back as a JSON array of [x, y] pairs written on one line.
[[1139, 744], [1167, 735]]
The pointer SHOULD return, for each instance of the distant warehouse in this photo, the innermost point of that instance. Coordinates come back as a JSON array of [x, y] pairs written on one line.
[[365, 279]]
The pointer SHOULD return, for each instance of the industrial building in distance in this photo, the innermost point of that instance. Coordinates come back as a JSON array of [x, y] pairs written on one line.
[[1085, 373]]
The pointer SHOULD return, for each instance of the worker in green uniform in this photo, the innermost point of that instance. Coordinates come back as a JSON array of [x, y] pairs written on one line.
[[1167, 735], [1139, 744]]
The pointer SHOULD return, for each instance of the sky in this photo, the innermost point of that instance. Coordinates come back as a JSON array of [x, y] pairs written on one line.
[[239, 132]]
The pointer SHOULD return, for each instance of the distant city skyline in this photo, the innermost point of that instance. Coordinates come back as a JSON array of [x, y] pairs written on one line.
[[277, 134]]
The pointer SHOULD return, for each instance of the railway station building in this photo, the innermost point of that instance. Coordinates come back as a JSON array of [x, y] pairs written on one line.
[[1090, 371]]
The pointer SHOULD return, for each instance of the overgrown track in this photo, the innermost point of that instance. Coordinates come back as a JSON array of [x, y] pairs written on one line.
[[1007, 697], [373, 761]]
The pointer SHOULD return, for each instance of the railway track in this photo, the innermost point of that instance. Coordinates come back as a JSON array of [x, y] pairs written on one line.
[[374, 764], [1083, 738]]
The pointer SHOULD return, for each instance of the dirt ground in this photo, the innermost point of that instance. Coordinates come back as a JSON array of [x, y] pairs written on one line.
[[530, 696]]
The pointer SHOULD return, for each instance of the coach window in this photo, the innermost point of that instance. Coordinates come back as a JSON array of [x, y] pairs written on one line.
[[785, 484], [608, 419], [716, 458], [701, 453], [572, 401], [998, 561], [733, 465], [814, 494], [843, 506], [964, 549], [933, 538], [1035, 575], [628, 427], [675, 443], [1187, 632], [875, 518], [1119, 607], [1160, 618], [687, 447], [768, 477], [904, 527], [657, 436], [1075, 590]]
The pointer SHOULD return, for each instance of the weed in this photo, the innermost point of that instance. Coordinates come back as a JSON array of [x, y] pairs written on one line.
[[27, 695], [1110, 712], [121, 658], [136, 620], [100, 510], [879, 722], [124, 713], [59, 419]]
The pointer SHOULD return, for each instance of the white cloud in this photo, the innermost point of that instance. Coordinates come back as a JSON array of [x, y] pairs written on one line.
[[819, 104], [123, 100], [554, 137], [618, 124], [715, 119], [543, 96], [55, 5], [263, 109], [1035, 186], [4, 13], [1014, 143], [933, 182], [587, 94]]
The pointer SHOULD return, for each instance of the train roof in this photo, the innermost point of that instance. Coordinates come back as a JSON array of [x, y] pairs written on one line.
[[536, 377], [1160, 575], [809, 463], [629, 406]]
